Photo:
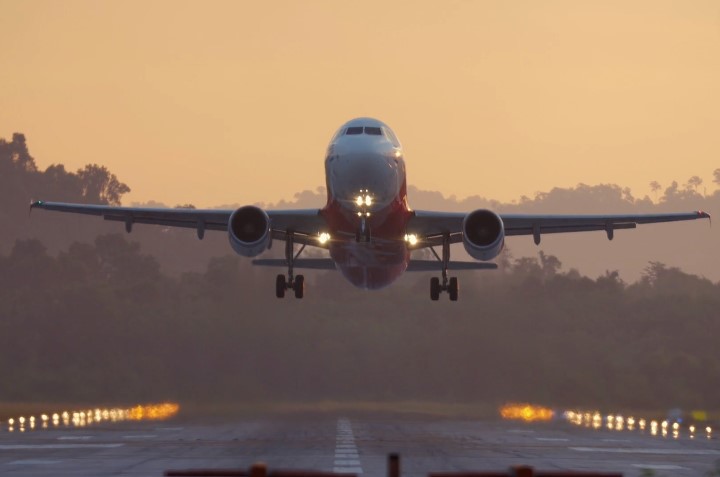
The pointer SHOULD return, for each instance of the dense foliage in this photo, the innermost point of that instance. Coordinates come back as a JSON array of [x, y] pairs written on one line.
[[101, 322]]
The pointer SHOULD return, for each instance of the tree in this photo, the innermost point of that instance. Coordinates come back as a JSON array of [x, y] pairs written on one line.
[[15, 154], [100, 185], [694, 182], [655, 187], [716, 173]]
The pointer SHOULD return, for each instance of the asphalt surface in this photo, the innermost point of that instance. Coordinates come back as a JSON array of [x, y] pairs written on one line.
[[350, 443]]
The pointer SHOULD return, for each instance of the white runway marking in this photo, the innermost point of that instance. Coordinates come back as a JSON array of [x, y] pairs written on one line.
[[552, 439], [630, 450], [74, 438], [659, 466], [58, 446], [140, 436], [521, 431], [34, 462], [346, 454]]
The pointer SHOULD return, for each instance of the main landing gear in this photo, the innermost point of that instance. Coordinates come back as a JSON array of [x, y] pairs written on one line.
[[297, 284], [449, 285]]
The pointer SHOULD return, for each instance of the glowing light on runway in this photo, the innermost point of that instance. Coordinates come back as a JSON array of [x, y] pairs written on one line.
[[84, 418], [154, 412], [526, 412], [619, 423]]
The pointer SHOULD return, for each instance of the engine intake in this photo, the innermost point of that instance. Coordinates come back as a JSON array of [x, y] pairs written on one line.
[[249, 231], [483, 234]]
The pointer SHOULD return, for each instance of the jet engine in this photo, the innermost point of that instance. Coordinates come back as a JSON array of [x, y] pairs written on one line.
[[483, 234], [249, 231]]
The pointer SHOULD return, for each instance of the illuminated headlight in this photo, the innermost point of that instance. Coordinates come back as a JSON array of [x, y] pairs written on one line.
[[324, 237], [359, 200], [411, 239], [368, 200]]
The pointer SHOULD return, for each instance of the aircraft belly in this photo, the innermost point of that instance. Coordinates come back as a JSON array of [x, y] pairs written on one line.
[[370, 265]]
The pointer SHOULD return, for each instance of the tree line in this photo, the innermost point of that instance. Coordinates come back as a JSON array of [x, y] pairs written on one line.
[[108, 319]]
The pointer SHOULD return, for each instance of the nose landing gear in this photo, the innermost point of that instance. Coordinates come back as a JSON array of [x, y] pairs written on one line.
[[297, 284], [449, 285]]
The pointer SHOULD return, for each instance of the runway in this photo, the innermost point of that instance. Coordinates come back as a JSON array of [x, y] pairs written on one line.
[[357, 443]]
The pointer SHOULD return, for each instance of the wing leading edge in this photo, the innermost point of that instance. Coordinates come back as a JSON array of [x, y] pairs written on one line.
[[305, 223], [430, 225]]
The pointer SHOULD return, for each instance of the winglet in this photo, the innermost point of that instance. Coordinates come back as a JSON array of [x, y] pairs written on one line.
[[33, 204], [704, 215]]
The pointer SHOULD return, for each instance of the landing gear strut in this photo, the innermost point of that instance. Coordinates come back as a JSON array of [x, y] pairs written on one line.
[[297, 284], [449, 285]]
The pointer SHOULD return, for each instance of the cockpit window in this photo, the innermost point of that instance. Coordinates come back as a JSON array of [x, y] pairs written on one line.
[[373, 131], [354, 130], [393, 139]]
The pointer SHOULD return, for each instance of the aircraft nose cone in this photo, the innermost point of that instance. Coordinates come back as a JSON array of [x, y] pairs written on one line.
[[376, 174]]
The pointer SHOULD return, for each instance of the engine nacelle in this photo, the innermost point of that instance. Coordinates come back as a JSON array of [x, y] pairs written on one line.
[[483, 234], [249, 231]]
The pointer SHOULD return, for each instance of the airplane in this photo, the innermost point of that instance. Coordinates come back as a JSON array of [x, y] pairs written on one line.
[[367, 225]]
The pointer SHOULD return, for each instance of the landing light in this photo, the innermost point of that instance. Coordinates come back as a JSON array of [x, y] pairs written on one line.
[[368, 201], [324, 237], [411, 239], [359, 200]]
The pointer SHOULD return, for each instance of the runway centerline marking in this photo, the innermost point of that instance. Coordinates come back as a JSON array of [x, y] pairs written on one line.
[[347, 460], [552, 439]]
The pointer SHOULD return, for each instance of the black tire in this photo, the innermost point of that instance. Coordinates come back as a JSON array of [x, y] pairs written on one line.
[[299, 286], [453, 289], [434, 288], [280, 286]]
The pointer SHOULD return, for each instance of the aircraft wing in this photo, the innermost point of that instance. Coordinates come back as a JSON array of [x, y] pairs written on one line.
[[305, 223], [430, 227]]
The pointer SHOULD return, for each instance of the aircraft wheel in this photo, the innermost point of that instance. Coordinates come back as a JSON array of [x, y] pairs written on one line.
[[280, 286], [299, 286], [434, 288], [453, 288]]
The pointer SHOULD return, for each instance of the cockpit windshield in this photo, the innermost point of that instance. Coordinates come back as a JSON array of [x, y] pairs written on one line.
[[369, 130]]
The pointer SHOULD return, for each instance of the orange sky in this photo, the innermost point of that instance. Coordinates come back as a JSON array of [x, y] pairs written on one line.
[[233, 102]]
